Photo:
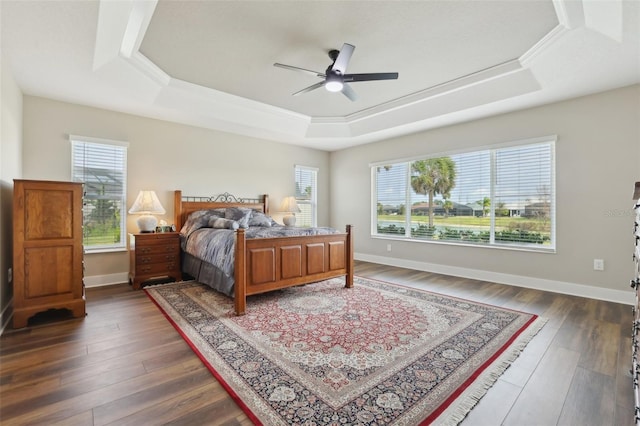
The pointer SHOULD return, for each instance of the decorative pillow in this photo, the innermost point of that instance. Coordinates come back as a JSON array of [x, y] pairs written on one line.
[[200, 219], [260, 219], [240, 215], [222, 223]]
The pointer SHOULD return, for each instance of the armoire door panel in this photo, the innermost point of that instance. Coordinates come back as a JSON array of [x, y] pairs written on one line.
[[48, 214], [48, 271]]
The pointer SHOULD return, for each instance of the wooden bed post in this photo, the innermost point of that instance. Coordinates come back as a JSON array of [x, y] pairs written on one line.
[[240, 274], [349, 277], [177, 209]]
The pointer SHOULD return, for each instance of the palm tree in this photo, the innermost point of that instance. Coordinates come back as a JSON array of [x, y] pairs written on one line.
[[433, 176], [448, 205], [486, 203]]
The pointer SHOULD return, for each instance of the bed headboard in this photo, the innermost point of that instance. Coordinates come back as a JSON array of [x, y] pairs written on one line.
[[183, 206]]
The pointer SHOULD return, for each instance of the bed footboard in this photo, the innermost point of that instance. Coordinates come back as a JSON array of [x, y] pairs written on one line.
[[266, 264]]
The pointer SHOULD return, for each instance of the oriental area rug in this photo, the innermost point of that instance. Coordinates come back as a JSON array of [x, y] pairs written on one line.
[[322, 354]]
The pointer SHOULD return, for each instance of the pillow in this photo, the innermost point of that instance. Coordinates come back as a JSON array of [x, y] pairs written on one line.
[[260, 219], [222, 223], [239, 214], [199, 219]]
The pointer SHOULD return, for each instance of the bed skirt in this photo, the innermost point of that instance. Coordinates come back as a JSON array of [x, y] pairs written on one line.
[[208, 274]]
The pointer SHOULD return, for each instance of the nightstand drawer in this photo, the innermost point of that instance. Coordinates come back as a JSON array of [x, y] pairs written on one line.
[[157, 249], [145, 259], [156, 268]]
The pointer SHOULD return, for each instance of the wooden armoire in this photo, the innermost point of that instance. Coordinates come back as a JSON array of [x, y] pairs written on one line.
[[47, 249]]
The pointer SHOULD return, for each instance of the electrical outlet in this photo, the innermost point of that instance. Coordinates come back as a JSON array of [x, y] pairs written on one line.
[[598, 264], [9, 275], [388, 247]]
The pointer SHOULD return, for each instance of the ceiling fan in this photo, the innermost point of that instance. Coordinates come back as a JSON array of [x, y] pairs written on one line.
[[335, 78]]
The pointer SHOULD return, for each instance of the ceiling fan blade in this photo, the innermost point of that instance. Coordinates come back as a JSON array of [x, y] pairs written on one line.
[[291, 67], [310, 88], [343, 58], [349, 93], [371, 76]]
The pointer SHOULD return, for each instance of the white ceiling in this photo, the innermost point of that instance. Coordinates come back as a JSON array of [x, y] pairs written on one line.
[[210, 63]]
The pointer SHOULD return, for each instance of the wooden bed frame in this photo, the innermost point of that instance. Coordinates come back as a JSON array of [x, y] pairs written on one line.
[[265, 264]]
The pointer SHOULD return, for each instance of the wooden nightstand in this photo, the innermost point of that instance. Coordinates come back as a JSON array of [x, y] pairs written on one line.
[[154, 255]]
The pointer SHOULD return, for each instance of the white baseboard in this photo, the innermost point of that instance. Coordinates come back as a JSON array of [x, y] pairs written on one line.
[[573, 289], [102, 280]]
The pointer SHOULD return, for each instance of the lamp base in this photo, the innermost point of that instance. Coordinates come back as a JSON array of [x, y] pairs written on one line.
[[147, 223], [289, 220]]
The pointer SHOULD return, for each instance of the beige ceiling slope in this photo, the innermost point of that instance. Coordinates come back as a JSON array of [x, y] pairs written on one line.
[[210, 63], [120, 30]]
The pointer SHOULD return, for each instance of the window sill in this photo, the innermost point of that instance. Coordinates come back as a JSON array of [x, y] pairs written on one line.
[[105, 250]]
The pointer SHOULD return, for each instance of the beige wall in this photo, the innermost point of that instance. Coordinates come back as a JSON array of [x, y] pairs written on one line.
[[10, 168], [165, 156], [597, 154]]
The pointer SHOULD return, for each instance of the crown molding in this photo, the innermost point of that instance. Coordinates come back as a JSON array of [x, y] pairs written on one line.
[[545, 42], [570, 13]]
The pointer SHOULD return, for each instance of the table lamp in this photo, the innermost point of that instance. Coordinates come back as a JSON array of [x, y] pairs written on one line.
[[146, 205], [289, 205]]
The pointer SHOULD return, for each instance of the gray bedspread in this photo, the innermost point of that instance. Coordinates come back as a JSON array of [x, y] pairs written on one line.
[[211, 251]]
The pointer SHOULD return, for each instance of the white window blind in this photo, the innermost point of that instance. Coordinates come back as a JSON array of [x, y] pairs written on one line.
[[391, 198], [102, 167], [306, 195], [502, 196]]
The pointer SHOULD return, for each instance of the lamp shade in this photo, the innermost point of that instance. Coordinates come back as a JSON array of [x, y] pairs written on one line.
[[289, 205], [146, 205]]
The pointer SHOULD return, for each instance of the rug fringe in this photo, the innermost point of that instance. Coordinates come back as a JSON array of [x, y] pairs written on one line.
[[472, 395]]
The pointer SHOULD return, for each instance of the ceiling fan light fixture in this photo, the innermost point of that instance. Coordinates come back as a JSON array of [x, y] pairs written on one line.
[[333, 83], [336, 74]]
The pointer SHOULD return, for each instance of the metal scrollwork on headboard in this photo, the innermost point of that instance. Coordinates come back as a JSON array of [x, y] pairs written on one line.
[[222, 198]]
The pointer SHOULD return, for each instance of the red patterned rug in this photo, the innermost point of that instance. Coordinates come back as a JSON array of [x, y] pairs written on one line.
[[322, 354]]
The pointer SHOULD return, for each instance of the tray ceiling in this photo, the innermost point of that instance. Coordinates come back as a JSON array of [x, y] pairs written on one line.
[[210, 64], [428, 43]]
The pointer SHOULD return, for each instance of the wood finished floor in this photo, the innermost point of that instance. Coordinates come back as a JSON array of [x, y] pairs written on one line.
[[125, 364]]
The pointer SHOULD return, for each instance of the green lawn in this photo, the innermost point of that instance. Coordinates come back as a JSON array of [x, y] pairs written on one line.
[[100, 240], [539, 225]]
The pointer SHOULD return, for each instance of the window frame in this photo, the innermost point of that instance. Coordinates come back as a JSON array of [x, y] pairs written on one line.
[[313, 202], [550, 248], [86, 140]]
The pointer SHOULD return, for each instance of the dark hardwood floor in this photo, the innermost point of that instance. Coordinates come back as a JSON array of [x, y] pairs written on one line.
[[125, 364]]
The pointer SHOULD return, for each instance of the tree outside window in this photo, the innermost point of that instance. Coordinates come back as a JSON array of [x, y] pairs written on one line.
[[499, 196]]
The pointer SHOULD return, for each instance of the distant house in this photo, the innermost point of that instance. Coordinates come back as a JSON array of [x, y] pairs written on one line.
[[422, 209], [389, 209], [513, 209], [540, 209], [476, 208]]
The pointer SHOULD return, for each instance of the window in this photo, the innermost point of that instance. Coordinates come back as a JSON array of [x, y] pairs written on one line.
[[501, 196], [102, 166], [306, 195]]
